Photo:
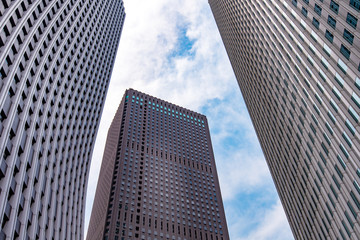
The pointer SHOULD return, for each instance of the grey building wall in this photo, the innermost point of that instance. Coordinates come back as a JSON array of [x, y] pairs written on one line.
[[297, 64], [158, 177], [56, 59]]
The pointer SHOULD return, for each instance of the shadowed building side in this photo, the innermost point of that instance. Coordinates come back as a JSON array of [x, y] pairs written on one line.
[[101, 201]]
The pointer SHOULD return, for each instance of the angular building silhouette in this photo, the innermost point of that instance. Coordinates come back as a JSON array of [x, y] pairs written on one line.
[[56, 59], [158, 176], [298, 67]]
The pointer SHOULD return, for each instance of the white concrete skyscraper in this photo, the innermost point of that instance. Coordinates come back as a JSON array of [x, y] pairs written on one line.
[[56, 59], [297, 63]]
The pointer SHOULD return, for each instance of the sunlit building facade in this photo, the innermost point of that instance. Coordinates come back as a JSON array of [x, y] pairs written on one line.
[[298, 67], [158, 176], [56, 59]]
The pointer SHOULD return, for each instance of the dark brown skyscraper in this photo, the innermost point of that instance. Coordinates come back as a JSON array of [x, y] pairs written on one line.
[[158, 177], [298, 66]]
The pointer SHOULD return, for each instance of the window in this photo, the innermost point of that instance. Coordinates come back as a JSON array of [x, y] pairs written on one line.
[[342, 66], [351, 20], [294, 2], [355, 4], [331, 21], [304, 11], [325, 62], [348, 36], [336, 93], [317, 9], [356, 99], [339, 80], [350, 127], [329, 36], [354, 114], [334, 6], [316, 23], [306, 1], [345, 51]]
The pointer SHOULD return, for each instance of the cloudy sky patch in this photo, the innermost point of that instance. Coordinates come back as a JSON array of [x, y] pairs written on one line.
[[172, 50]]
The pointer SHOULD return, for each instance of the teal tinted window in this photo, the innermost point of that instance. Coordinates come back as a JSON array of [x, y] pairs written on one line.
[[317, 9], [331, 21], [334, 7], [316, 23], [351, 20], [329, 36], [355, 4], [348, 36], [345, 51], [304, 11]]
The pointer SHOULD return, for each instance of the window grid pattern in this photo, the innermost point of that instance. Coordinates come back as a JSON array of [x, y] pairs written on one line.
[[299, 83], [164, 183], [56, 59]]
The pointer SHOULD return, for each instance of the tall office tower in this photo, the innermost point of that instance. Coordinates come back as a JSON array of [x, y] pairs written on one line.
[[297, 65], [56, 59], [158, 176]]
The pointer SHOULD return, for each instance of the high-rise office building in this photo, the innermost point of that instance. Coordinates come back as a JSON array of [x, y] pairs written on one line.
[[56, 59], [297, 65], [158, 177]]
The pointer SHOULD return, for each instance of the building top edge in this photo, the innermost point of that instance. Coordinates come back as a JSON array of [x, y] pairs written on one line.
[[173, 106]]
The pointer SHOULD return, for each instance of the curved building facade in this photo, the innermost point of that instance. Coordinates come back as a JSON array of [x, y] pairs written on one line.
[[56, 59], [298, 67]]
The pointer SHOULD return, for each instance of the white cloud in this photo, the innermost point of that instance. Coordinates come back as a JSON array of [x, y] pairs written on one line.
[[145, 63], [240, 163], [263, 224], [241, 173], [149, 36], [251, 203], [272, 226]]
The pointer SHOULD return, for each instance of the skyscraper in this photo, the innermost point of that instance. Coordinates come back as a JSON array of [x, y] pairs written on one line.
[[56, 59], [158, 177], [297, 65]]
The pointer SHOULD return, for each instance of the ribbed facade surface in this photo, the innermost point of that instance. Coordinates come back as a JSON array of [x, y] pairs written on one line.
[[158, 177], [56, 59], [298, 67]]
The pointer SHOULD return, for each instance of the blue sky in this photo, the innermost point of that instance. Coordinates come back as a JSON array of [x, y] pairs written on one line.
[[183, 45], [173, 50]]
